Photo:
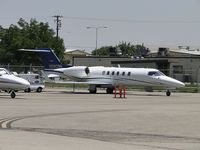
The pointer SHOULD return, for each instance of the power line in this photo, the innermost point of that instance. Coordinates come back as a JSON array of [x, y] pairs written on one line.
[[57, 18], [132, 20]]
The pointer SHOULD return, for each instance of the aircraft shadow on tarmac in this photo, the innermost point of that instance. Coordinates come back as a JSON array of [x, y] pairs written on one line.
[[133, 94], [147, 94], [7, 97], [71, 92]]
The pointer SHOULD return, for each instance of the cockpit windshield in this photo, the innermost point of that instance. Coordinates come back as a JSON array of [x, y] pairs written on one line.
[[4, 71], [155, 73]]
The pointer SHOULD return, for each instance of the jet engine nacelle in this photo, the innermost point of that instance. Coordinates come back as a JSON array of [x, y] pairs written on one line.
[[78, 71], [87, 70]]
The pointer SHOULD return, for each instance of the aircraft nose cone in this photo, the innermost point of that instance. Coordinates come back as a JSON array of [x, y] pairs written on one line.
[[173, 83], [179, 83], [26, 84]]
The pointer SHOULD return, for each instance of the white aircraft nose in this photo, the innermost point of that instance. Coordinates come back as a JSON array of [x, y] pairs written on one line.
[[170, 82], [176, 83], [24, 83], [180, 84]]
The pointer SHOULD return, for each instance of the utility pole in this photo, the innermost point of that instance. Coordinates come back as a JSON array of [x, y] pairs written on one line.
[[58, 24]]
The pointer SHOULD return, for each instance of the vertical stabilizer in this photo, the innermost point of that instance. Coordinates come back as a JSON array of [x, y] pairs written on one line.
[[48, 58]]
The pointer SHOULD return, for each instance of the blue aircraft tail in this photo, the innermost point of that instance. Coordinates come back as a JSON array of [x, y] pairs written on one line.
[[48, 58]]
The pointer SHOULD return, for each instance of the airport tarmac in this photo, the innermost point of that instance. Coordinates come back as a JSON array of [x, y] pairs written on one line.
[[60, 119]]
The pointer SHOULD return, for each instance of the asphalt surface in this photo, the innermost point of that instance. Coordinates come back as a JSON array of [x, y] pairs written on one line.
[[63, 120]]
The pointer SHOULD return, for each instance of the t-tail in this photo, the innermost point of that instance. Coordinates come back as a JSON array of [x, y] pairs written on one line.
[[48, 58]]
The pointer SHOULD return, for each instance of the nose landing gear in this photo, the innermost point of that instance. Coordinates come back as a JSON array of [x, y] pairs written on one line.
[[168, 93], [12, 94]]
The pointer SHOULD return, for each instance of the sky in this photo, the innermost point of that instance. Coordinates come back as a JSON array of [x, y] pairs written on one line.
[[152, 22]]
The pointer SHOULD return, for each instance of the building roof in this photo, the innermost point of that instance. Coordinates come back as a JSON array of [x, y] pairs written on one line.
[[76, 51], [142, 60], [186, 50]]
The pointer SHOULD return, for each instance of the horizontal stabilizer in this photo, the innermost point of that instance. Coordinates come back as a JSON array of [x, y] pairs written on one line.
[[34, 50]]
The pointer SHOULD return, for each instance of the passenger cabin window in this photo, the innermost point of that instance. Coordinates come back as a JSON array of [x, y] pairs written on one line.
[[155, 73], [108, 72], [117, 73], [129, 73], [103, 73], [113, 73], [123, 73]]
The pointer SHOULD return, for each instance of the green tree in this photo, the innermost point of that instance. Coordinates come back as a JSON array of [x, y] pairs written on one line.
[[127, 49], [103, 51], [27, 35]]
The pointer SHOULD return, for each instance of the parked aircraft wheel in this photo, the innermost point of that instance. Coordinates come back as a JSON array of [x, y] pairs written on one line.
[[93, 91], [12, 94], [39, 90], [109, 90], [168, 93]]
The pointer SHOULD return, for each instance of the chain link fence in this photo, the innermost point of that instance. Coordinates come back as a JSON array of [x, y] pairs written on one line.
[[22, 69]]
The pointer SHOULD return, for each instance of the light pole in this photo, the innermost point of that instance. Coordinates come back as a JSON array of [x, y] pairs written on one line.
[[96, 29]]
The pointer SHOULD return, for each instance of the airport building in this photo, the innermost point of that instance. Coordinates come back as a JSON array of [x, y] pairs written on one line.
[[182, 63], [70, 53]]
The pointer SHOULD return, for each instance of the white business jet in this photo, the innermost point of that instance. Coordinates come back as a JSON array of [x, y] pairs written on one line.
[[106, 77], [11, 83], [111, 77]]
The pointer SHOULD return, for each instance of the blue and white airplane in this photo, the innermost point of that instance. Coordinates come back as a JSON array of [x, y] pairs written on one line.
[[106, 77]]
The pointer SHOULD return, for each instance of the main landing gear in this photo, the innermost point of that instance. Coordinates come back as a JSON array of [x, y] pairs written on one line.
[[92, 89], [109, 90]]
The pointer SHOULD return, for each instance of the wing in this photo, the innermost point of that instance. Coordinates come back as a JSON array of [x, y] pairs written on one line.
[[49, 80], [75, 82]]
